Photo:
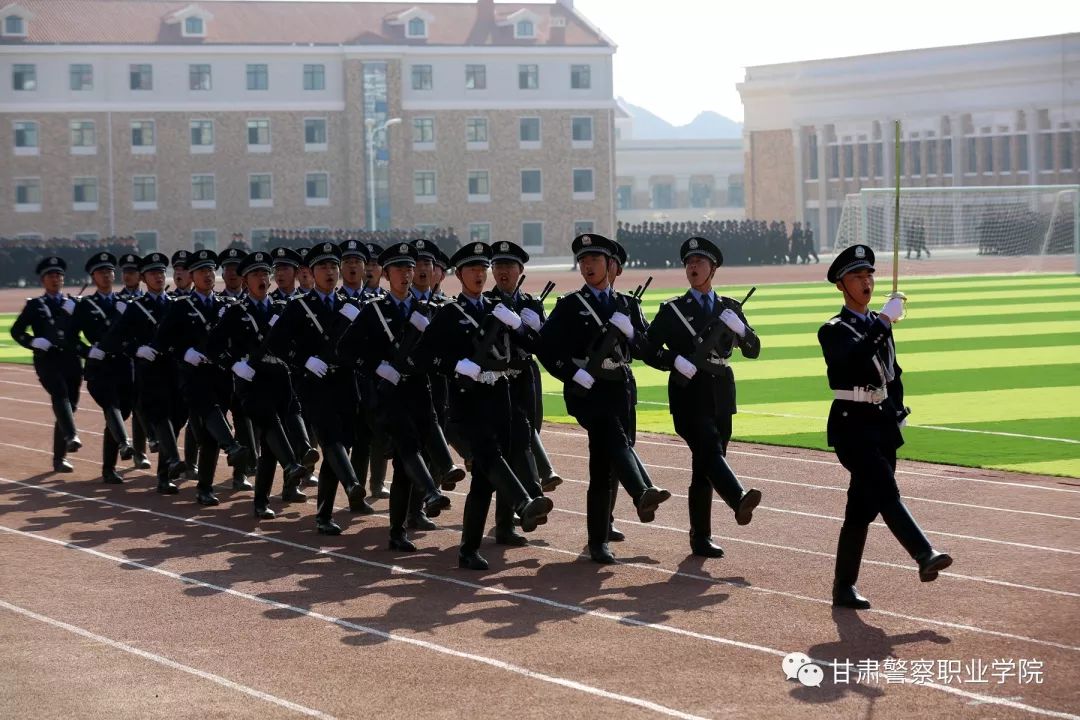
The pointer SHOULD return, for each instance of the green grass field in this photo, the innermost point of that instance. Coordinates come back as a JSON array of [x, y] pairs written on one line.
[[991, 370]]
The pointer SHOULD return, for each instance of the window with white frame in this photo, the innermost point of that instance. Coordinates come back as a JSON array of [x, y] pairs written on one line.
[[700, 194], [315, 134], [144, 192], [82, 76], [24, 77], [204, 239], [84, 193], [583, 226], [987, 148], [203, 192], [421, 77], [141, 76], [317, 188], [416, 28], [202, 136], [142, 137], [258, 135], [199, 77], [260, 190], [146, 240], [624, 197], [479, 184], [583, 184], [314, 77], [480, 232], [863, 157], [946, 156], [27, 194], [258, 76], [26, 137], [931, 153], [476, 133], [580, 77], [529, 132], [581, 132], [423, 133], [1022, 164], [476, 77], [532, 187], [524, 30], [83, 137], [1006, 151], [528, 77], [424, 186], [849, 158], [14, 26], [532, 235], [663, 196], [194, 26]]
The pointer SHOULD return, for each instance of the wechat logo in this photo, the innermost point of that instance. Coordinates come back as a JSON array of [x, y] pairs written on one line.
[[797, 666]]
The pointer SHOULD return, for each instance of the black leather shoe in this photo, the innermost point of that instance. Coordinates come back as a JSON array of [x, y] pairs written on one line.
[[649, 501], [360, 506], [152, 446], [313, 481], [126, 452], [174, 470], [167, 488], [434, 504], [295, 475], [378, 492], [264, 514], [327, 527], [534, 511], [472, 561], [705, 547], [420, 522], [745, 512], [310, 460], [614, 534], [510, 537], [206, 498], [141, 463], [931, 564], [239, 483], [191, 472], [237, 456], [111, 477], [848, 597], [401, 543], [452, 477], [73, 444], [62, 466], [551, 483], [293, 495], [601, 553]]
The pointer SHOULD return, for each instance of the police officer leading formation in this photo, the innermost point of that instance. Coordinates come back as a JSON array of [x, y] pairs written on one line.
[[330, 376]]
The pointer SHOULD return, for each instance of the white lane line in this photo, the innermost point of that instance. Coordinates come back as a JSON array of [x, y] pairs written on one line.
[[161, 660], [22, 384], [395, 568], [623, 620], [367, 630], [677, 445]]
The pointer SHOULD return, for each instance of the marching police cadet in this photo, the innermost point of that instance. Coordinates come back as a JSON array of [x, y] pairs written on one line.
[[382, 340], [130, 276], [181, 274], [182, 286], [469, 340], [373, 271], [306, 338], [46, 325], [229, 262], [157, 399], [587, 343], [109, 378], [353, 260], [693, 336], [864, 423], [262, 383], [304, 277], [438, 274], [183, 335], [286, 267]]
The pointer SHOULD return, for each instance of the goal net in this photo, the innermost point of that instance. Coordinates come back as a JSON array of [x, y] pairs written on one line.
[[1012, 221]]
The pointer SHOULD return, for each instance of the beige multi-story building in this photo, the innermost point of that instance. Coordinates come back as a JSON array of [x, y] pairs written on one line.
[[182, 122], [992, 114]]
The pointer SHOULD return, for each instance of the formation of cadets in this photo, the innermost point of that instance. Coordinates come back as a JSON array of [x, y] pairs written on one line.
[[357, 359], [19, 255], [742, 242]]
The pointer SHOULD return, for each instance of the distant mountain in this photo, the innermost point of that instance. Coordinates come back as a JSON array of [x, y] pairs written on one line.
[[708, 125]]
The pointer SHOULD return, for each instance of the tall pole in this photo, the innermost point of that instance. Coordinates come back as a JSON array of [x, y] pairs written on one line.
[[898, 157], [371, 175]]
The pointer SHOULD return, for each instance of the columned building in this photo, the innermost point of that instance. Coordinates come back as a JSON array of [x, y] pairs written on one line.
[[1000, 113], [183, 122]]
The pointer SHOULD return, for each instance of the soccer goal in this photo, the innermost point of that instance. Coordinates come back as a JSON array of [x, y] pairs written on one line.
[[1030, 220]]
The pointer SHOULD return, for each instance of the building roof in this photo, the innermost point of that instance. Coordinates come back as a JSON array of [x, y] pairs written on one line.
[[254, 22]]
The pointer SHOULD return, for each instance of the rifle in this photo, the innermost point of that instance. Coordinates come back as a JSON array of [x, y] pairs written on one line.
[[489, 334], [706, 341], [606, 343], [546, 291], [83, 289]]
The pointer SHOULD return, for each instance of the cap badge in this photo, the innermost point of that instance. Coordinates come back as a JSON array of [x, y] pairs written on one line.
[[504, 247], [693, 244], [326, 247], [420, 244], [104, 256], [586, 240], [860, 252], [203, 255], [403, 248], [478, 248]]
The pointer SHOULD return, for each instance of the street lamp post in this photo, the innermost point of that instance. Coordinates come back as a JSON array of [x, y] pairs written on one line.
[[372, 129]]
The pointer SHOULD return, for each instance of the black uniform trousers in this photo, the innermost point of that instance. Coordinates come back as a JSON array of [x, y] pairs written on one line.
[[329, 404], [157, 401], [268, 400], [208, 389], [111, 383], [60, 373]]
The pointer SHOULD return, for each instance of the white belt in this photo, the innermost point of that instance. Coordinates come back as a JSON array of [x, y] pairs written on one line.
[[862, 394], [718, 361], [607, 364], [490, 377]]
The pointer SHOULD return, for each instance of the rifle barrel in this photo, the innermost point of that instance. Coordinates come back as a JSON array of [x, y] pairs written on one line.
[[748, 295], [641, 289]]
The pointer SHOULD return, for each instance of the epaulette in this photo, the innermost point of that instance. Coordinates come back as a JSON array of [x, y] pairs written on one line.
[[670, 300], [834, 320]]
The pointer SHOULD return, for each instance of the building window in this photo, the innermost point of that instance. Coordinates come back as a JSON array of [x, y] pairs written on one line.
[[476, 77], [202, 136], [82, 76], [581, 130], [931, 156], [26, 137], [988, 153], [1066, 141], [146, 240], [83, 137], [528, 77], [879, 159], [423, 133], [199, 77], [476, 131], [258, 135], [317, 188], [529, 132], [314, 77], [416, 28], [532, 235], [849, 160], [141, 76], [663, 196], [531, 185], [480, 232], [84, 193], [204, 239], [421, 77], [1022, 163], [700, 195], [14, 26], [864, 157], [424, 186], [583, 226], [144, 192], [916, 157], [811, 156], [142, 136], [1046, 154], [580, 77], [624, 197], [832, 160], [1006, 153], [194, 27], [314, 134], [946, 156], [258, 77], [479, 186], [203, 195], [524, 29], [27, 194], [583, 184], [735, 193], [260, 190], [87, 236], [972, 155], [24, 77]]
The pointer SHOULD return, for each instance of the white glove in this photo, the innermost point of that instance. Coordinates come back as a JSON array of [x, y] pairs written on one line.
[[418, 321], [686, 368], [194, 357], [350, 311], [146, 353], [96, 353], [732, 320], [622, 322], [69, 306], [584, 379], [121, 306], [316, 366], [41, 344], [468, 368], [507, 317], [243, 371], [893, 309], [387, 372], [530, 318]]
